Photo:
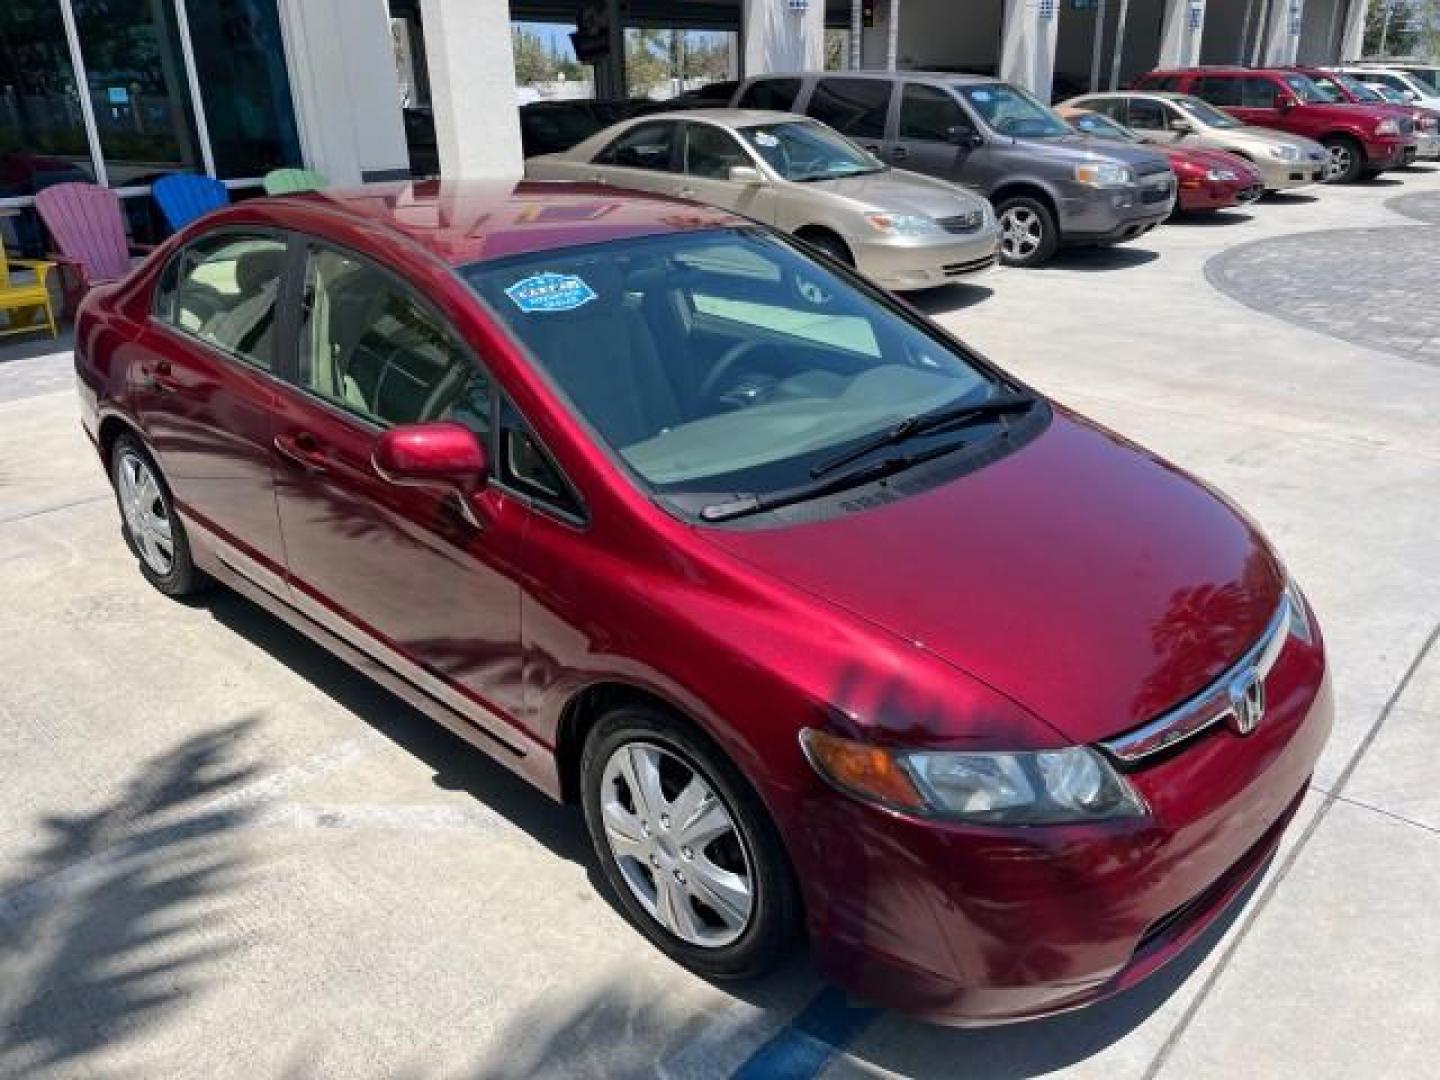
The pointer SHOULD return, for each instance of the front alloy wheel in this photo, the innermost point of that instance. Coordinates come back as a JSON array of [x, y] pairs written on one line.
[[676, 845], [1028, 236], [1343, 164], [147, 517]]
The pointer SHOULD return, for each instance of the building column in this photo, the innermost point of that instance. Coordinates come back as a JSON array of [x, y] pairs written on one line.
[[1352, 32], [1181, 33], [784, 36], [472, 88], [1282, 32], [345, 89], [1027, 44]]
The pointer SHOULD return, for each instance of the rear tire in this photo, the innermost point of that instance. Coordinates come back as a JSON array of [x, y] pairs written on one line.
[[1347, 160], [152, 529], [667, 874], [1028, 233]]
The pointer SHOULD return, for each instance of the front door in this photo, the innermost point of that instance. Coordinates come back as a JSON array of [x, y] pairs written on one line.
[[206, 393], [403, 573], [710, 153], [929, 123]]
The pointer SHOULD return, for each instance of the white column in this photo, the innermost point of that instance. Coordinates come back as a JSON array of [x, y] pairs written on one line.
[[1282, 33], [1181, 33], [1027, 44], [781, 37], [472, 88], [1352, 35], [345, 88]]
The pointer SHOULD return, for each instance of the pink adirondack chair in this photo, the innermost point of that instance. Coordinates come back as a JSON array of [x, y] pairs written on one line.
[[84, 222]]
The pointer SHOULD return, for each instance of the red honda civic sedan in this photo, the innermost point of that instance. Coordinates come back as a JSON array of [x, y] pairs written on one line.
[[828, 625]]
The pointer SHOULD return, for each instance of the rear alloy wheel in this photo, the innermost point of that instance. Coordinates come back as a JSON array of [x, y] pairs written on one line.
[[152, 530], [1345, 163], [686, 846], [1028, 236]]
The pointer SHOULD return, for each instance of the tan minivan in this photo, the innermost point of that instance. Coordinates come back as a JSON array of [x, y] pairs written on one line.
[[1285, 161]]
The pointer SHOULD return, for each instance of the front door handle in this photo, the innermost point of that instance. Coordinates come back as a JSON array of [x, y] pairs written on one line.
[[301, 449], [159, 376], [874, 148]]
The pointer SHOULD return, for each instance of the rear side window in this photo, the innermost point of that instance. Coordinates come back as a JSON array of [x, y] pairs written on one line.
[[225, 290], [1163, 83], [853, 107], [645, 146], [1114, 108], [369, 346], [777, 94], [928, 113]]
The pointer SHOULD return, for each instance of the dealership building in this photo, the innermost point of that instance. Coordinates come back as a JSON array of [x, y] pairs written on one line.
[[120, 91]]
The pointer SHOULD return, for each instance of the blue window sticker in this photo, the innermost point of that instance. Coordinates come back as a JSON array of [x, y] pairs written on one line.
[[550, 292]]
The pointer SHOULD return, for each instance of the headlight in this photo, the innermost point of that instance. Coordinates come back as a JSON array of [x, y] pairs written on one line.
[[1300, 627], [1286, 153], [1044, 787], [1221, 174], [1103, 174], [903, 224], [1387, 127]]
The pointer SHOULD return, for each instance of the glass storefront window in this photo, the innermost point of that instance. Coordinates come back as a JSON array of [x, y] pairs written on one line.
[[663, 63], [138, 89], [42, 130], [240, 58]]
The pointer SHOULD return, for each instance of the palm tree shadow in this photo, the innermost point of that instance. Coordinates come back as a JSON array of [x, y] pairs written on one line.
[[107, 926]]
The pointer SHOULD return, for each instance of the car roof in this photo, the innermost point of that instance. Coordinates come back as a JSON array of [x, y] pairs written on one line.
[[945, 76], [471, 221], [1169, 95], [729, 117]]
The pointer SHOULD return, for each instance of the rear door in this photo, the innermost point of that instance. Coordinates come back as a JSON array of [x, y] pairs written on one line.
[[645, 157], [405, 574], [206, 392], [928, 116]]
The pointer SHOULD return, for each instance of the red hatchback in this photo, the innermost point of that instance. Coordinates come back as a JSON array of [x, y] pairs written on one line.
[[828, 624], [1363, 140]]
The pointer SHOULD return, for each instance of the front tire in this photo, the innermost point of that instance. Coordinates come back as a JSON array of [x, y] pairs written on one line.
[[151, 527], [1028, 233], [1346, 162], [686, 845]]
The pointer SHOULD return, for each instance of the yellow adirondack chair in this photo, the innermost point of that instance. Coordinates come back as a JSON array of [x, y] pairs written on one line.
[[32, 296]]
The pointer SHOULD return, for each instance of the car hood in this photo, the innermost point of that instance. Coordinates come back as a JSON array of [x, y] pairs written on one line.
[[902, 192], [1089, 581], [1347, 112], [1080, 148], [1207, 159]]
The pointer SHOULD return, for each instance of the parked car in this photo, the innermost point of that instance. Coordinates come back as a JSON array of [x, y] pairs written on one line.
[[902, 230], [714, 95], [825, 622], [548, 127], [420, 142], [1049, 186], [1206, 179], [1419, 83], [1361, 141], [1285, 161], [1346, 89]]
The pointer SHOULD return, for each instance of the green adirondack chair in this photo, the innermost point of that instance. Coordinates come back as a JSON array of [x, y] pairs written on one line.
[[290, 181]]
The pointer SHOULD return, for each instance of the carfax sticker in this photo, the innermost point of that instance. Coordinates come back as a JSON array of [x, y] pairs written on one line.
[[550, 292]]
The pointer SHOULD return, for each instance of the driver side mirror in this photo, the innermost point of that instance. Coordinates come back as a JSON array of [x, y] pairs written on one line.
[[745, 174], [443, 455], [1180, 125], [963, 136], [1284, 102]]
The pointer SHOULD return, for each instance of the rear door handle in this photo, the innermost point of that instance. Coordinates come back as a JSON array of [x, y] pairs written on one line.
[[301, 449], [899, 152]]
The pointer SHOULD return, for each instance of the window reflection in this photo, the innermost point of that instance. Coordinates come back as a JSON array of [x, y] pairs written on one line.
[[42, 133]]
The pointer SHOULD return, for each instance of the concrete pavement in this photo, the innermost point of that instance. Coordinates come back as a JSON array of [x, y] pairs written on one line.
[[222, 853]]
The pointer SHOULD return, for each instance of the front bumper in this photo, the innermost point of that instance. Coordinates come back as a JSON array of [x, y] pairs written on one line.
[[1285, 175], [907, 263], [973, 926], [1427, 145], [1219, 194], [1389, 154], [1112, 215]]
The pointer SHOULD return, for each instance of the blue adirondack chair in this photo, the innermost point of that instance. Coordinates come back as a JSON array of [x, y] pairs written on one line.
[[183, 197]]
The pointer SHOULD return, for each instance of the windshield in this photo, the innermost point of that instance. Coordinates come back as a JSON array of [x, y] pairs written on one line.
[[1358, 91], [1206, 113], [802, 151], [722, 361], [1305, 90], [1102, 127], [1427, 77], [1387, 93], [1012, 111]]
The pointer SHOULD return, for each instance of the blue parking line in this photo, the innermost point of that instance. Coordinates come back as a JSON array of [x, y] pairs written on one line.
[[806, 1045]]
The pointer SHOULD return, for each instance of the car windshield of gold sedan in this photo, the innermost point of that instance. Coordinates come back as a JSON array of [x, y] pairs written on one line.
[[724, 360], [1011, 111], [1206, 113], [1102, 127], [805, 152]]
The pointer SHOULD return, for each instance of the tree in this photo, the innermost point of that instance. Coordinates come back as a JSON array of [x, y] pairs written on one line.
[[1392, 27], [532, 63]]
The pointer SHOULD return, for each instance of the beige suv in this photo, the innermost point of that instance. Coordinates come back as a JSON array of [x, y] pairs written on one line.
[[1183, 120]]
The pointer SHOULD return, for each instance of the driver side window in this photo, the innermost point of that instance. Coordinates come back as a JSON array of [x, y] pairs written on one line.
[[927, 113], [710, 152], [1147, 115]]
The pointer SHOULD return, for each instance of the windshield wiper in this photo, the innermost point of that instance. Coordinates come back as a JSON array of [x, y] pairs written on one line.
[[920, 423], [743, 505]]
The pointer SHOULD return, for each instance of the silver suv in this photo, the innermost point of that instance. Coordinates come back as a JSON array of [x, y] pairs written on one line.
[[1049, 186]]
